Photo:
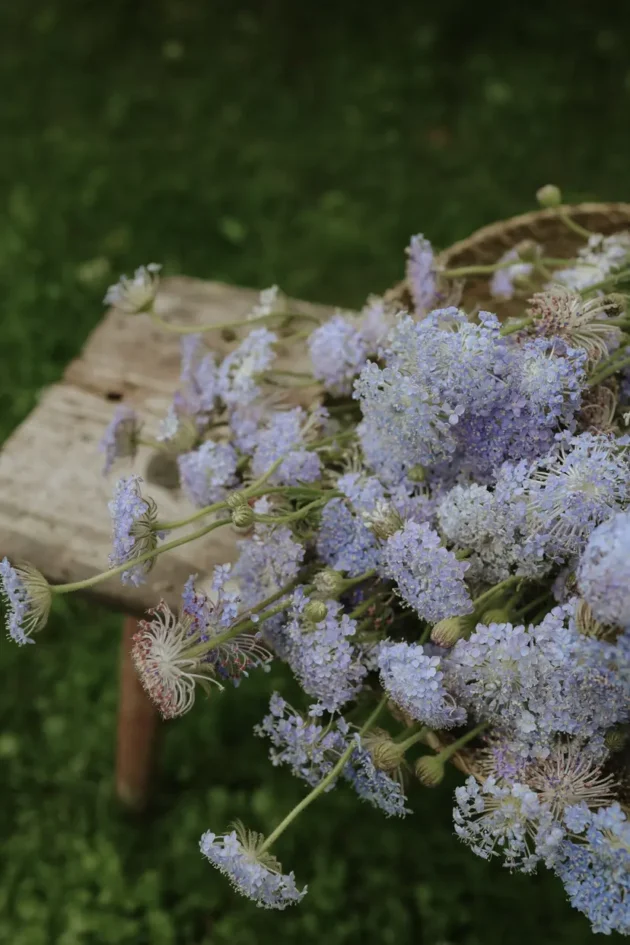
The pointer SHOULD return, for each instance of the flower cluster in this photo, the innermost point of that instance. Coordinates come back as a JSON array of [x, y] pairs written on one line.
[[435, 538]]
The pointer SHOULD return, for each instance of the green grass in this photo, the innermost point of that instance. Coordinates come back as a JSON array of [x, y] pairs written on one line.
[[279, 144]]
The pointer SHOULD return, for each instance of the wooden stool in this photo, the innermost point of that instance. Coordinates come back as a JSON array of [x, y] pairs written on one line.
[[53, 496]]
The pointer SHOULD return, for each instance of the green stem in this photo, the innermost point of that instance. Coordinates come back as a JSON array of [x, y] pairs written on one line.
[[426, 633], [351, 582], [486, 270], [328, 440], [323, 784], [418, 736], [454, 747], [521, 611], [572, 225], [364, 605], [608, 282], [299, 513], [611, 366], [503, 585], [220, 326], [516, 326], [175, 543]]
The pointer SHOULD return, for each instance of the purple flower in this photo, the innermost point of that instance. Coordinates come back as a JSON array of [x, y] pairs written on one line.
[[502, 282], [374, 786], [27, 597], [133, 522], [237, 379], [199, 376], [415, 682], [338, 352], [254, 874], [429, 577], [604, 571], [323, 656], [421, 274], [344, 541], [120, 439], [283, 436], [208, 472]]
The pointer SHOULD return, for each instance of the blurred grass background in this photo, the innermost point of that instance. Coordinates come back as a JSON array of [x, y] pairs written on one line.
[[256, 143]]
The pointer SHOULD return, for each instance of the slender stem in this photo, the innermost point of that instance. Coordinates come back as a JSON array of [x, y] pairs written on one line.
[[612, 368], [202, 648], [484, 270], [607, 282], [424, 636], [450, 750], [572, 225], [299, 513], [323, 784], [416, 737], [328, 440], [364, 605], [300, 374], [515, 326], [220, 326], [168, 546], [502, 586], [351, 582]]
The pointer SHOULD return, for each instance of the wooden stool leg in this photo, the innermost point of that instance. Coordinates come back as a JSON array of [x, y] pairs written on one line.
[[137, 730]]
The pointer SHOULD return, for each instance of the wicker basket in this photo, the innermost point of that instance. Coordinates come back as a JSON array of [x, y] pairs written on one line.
[[486, 245]]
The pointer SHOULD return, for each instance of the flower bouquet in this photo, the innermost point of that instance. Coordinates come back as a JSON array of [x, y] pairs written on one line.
[[435, 539]]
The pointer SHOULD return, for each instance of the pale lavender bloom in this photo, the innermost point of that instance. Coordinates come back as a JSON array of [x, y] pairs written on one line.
[[133, 521], [594, 866], [238, 374], [199, 376], [309, 748], [254, 875], [375, 320], [27, 598], [338, 352], [135, 295], [502, 282], [323, 656], [575, 488], [372, 785], [598, 259], [208, 472], [604, 571], [344, 542], [428, 576], [495, 820], [283, 436], [415, 682], [421, 274], [120, 440]]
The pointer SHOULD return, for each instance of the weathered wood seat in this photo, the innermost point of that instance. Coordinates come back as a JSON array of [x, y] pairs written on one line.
[[53, 496]]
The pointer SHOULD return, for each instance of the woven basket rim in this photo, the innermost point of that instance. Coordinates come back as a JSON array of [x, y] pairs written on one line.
[[499, 227]]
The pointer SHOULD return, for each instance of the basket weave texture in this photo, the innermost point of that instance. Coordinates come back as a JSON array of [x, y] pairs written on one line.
[[487, 245]]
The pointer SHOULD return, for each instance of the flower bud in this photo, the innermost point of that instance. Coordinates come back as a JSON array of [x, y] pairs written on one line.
[[528, 251], [236, 500], [588, 626], [386, 754], [243, 516], [417, 474], [316, 611], [429, 770], [549, 196], [495, 615], [329, 583], [384, 521], [448, 631]]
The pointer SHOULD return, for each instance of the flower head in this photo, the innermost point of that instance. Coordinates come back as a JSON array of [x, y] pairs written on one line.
[[415, 682], [238, 374], [135, 295], [27, 596], [594, 867], [199, 381], [133, 520], [285, 435], [429, 577], [421, 274], [253, 873], [502, 284], [120, 439], [559, 312], [372, 784], [604, 571], [208, 472], [338, 352], [602, 256]]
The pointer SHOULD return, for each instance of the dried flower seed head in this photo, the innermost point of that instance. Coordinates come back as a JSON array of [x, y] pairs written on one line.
[[386, 754], [559, 312], [384, 521]]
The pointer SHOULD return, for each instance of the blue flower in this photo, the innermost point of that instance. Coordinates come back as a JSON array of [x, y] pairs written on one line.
[[374, 786], [415, 682], [604, 571], [238, 374], [338, 352], [133, 521], [502, 282], [428, 576], [120, 439], [208, 472], [284, 436], [256, 875], [27, 596], [421, 274]]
